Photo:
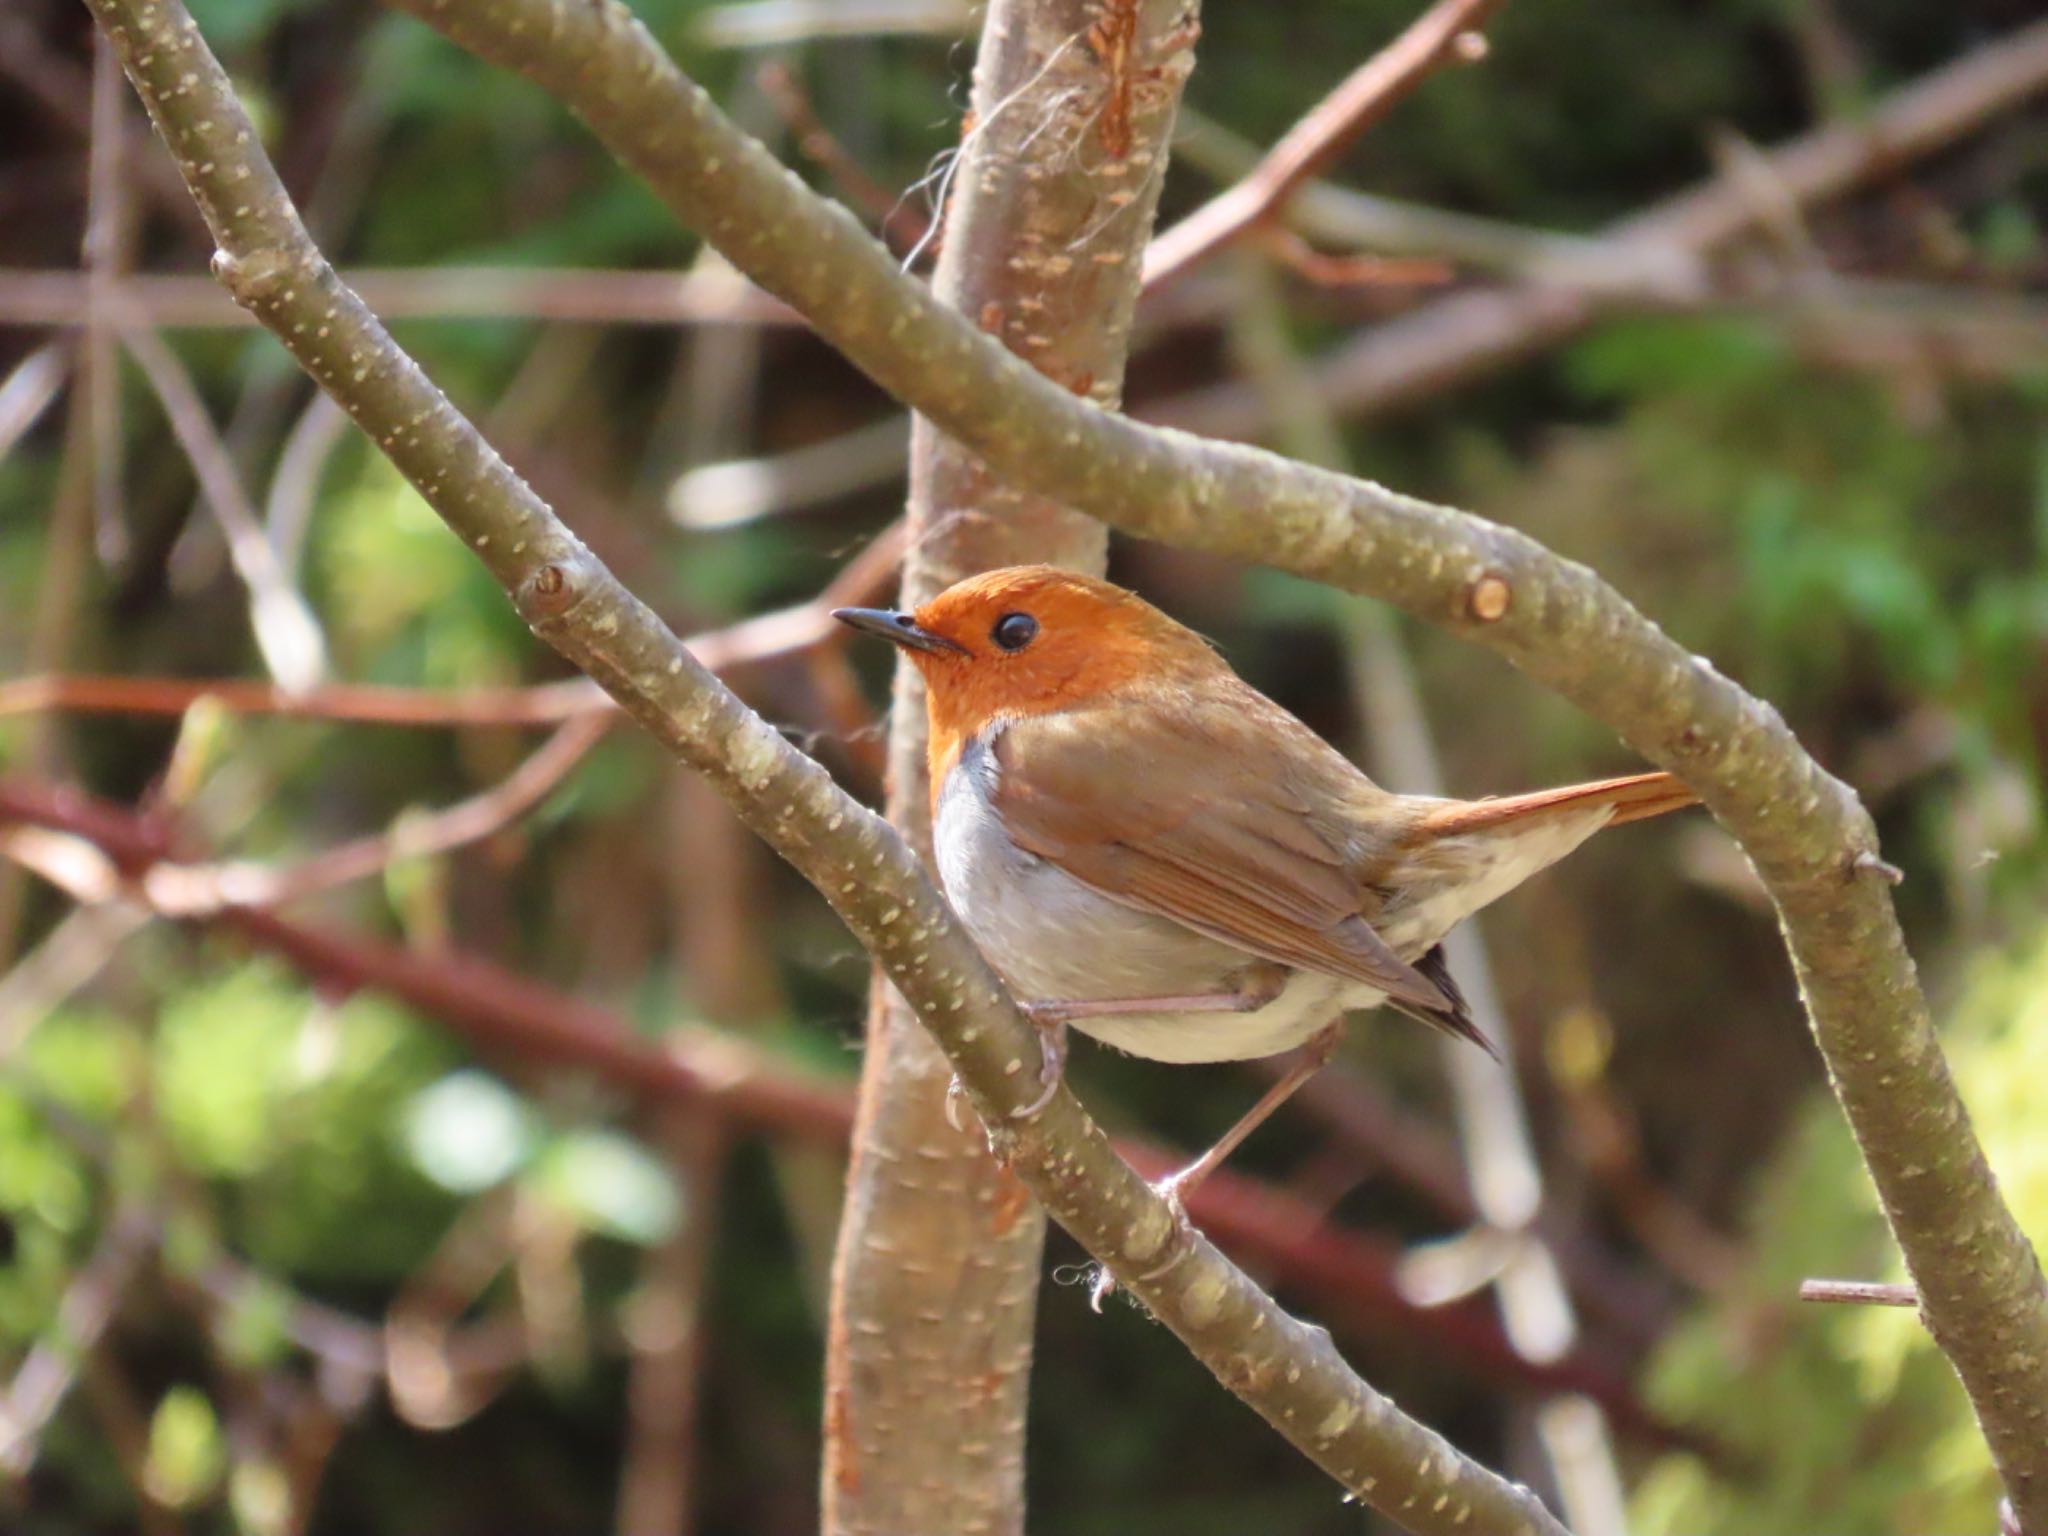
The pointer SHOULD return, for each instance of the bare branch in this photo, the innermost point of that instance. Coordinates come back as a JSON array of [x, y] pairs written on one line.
[[37, 297], [1561, 624], [1875, 1293], [286, 632], [1320, 136]]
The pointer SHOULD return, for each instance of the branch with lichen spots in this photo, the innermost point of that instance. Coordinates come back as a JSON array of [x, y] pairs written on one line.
[[1809, 837], [1288, 1371]]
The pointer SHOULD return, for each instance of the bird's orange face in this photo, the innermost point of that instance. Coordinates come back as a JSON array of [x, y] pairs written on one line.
[[1029, 640]]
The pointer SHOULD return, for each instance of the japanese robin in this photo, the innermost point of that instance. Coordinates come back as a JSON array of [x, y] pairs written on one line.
[[1150, 849]]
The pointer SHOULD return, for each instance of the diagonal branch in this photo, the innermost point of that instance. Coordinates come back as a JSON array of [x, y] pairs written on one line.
[[1291, 1373], [1806, 832], [1986, 1302], [712, 1074], [1365, 96]]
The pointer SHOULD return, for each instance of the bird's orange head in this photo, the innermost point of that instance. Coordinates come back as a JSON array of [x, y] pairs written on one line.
[[1032, 640]]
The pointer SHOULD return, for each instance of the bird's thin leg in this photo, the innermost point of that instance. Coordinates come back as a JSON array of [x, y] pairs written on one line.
[[1263, 984], [1313, 1058], [1176, 1187]]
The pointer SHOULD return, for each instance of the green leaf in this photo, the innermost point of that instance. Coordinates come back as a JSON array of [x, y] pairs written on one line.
[[468, 1132], [613, 1185], [187, 1454]]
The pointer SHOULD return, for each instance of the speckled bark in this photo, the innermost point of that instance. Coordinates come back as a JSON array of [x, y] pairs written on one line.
[[1985, 1300], [1287, 1371], [1809, 837], [935, 1282]]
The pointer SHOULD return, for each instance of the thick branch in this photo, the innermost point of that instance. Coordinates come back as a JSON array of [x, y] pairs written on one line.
[[1289, 1372], [1804, 830], [935, 1279]]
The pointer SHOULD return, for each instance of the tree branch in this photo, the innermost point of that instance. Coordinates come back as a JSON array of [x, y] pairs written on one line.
[[1563, 625], [1291, 1373], [1449, 340], [1368, 94]]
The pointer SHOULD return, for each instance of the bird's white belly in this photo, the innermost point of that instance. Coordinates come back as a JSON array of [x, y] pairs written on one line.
[[1058, 940]]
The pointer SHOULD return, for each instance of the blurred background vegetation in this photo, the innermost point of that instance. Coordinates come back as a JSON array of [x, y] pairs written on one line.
[[278, 1252]]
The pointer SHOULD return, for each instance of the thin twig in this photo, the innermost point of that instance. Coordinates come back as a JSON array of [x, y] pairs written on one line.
[[750, 642], [68, 958], [903, 227], [287, 634], [27, 391], [108, 237], [735, 491], [194, 890], [542, 704], [1326, 271], [769, 23], [295, 484], [1874, 1293], [1319, 136], [87, 1307], [665, 1330], [39, 297]]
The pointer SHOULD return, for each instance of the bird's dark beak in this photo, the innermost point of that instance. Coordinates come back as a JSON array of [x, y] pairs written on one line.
[[900, 628]]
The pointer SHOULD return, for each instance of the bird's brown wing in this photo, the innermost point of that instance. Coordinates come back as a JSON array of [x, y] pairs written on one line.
[[1164, 810]]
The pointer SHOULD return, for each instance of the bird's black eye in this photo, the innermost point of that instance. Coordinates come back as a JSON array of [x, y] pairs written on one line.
[[1014, 631]]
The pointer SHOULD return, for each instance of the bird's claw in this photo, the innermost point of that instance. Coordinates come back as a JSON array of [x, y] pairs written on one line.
[[1167, 1189], [1052, 1050], [955, 1092]]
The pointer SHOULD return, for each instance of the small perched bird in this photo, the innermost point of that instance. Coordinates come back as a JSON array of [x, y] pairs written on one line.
[[1150, 849]]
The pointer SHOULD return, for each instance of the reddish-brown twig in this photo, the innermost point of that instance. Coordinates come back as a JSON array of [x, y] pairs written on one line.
[[1365, 97], [192, 890], [748, 642], [1352, 271], [900, 223]]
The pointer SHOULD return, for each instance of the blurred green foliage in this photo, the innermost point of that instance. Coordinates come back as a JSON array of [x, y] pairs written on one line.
[[1846, 1418]]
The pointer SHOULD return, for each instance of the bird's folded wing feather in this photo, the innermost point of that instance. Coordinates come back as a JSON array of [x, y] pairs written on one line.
[[1166, 811]]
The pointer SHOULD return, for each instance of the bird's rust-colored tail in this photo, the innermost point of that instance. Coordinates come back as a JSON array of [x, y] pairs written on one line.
[[1635, 798]]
